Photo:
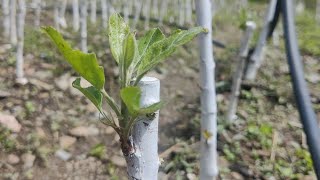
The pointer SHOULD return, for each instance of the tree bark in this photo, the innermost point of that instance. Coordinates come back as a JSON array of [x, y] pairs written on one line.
[[143, 163], [37, 12], [208, 154], [237, 76]]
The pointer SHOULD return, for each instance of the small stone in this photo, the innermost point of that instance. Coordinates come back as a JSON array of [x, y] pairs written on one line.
[[63, 82], [109, 130], [83, 131], [13, 159], [236, 176], [41, 133], [28, 160], [118, 161], [66, 141], [63, 155], [10, 122], [191, 176]]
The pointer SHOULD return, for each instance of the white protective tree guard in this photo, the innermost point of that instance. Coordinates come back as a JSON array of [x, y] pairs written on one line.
[[143, 164], [208, 154], [237, 76]]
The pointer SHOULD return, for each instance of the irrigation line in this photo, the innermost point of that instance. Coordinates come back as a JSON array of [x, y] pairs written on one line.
[[307, 114]]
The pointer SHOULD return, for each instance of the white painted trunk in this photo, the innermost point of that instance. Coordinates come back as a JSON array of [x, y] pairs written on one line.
[[6, 18], [208, 154], [62, 11], [237, 76], [126, 12], [188, 12], [93, 11], [130, 6], [38, 5], [13, 27], [181, 12], [56, 15], [256, 58], [163, 11], [83, 24], [155, 11], [104, 9], [20, 33], [144, 163], [76, 15], [138, 7], [318, 12], [146, 9]]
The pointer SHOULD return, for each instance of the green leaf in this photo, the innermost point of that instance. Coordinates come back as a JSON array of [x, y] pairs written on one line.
[[152, 108], [91, 93], [117, 32], [152, 36], [131, 97], [85, 64], [161, 49], [129, 50]]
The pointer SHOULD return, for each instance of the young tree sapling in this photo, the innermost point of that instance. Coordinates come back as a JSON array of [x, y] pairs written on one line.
[[208, 152], [135, 59]]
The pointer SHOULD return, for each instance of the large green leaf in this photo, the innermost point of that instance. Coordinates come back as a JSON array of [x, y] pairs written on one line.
[[131, 97], [117, 32], [129, 50], [91, 93], [161, 49], [85, 64]]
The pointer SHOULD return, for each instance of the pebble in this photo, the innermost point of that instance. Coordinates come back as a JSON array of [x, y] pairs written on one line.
[[83, 131], [13, 159], [66, 141], [10, 122], [63, 155], [28, 160]]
